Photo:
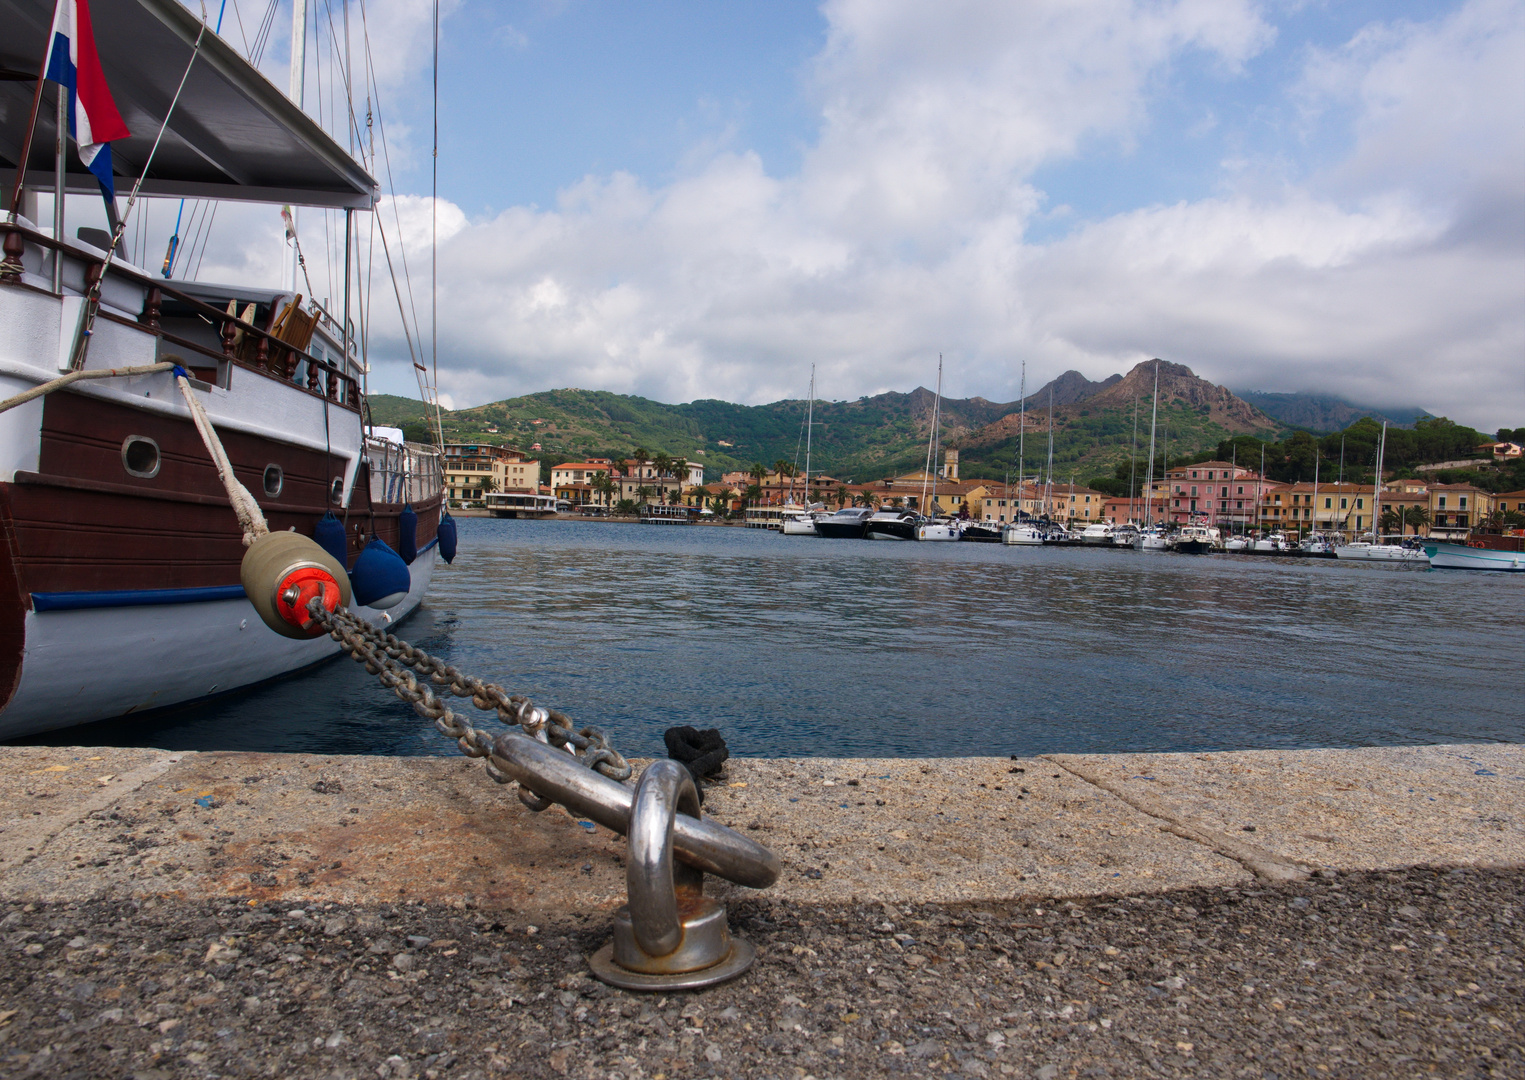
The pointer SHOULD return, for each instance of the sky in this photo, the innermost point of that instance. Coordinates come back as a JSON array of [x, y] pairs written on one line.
[[690, 199]]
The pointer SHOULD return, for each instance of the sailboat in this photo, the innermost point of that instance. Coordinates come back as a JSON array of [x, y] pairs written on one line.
[[1020, 532], [802, 522], [1374, 550], [120, 583], [1154, 537], [934, 528]]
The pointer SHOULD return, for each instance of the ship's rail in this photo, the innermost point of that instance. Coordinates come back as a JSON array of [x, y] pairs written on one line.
[[273, 358], [403, 473]]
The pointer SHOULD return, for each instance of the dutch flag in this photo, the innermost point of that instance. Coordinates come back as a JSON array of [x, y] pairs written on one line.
[[93, 118]]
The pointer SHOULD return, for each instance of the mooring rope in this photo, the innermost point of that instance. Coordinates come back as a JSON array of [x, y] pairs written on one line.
[[75, 376], [250, 517]]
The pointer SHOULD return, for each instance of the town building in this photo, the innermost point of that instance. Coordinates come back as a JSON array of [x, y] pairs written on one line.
[[577, 482], [1067, 503], [472, 470], [1456, 508], [1509, 502], [1222, 492]]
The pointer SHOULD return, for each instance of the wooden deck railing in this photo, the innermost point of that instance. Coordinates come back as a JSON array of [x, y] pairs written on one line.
[[272, 357]]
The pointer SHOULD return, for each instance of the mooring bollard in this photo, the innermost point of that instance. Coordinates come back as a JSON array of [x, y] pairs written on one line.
[[669, 936]]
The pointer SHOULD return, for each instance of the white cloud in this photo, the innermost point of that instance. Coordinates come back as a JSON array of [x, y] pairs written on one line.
[[1394, 275]]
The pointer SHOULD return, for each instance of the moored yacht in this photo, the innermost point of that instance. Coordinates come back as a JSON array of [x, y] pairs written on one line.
[[1022, 534], [1154, 538], [984, 532], [1274, 544], [1194, 540], [1366, 551], [847, 523], [893, 524], [800, 522], [1098, 534], [1126, 535], [940, 529]]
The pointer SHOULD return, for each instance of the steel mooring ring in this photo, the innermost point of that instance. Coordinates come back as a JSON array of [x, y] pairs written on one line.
[[670, 936]]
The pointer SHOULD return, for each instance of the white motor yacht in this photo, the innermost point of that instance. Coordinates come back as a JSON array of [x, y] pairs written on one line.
[[1126, 535], [941, 529], [1154, 539], [1023, 535], [1237, 544], [1366, 551], [1097, 535], [1275, 544], [798, 522]]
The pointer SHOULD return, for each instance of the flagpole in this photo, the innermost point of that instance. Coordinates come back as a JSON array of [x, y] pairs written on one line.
[[31, 124]]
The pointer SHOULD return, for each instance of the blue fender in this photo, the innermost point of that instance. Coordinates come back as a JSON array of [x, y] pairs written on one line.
[[407, 534], [380, 578]]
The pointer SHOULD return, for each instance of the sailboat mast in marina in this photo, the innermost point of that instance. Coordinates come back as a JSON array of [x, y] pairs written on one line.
[[1376, 493], [809, 431], [932, 441], [1154, 414], [1021, 437], [1048, 487]]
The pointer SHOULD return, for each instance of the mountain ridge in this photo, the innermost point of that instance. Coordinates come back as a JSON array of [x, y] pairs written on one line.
[[863, 439]]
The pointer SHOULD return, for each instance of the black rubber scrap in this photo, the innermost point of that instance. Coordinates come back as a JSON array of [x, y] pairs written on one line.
[[702, 753]]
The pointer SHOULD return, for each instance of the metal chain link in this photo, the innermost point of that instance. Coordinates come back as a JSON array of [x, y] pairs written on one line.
[[398, 664]]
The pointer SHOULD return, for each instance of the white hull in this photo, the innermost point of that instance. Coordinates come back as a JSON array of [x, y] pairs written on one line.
[[1460, 557], [1022, 536], [802, 525], [1360, 552], [1154, 543], [937, 531], [157, 655]]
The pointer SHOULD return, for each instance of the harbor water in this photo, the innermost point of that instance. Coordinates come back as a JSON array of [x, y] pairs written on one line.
[[795, 646]]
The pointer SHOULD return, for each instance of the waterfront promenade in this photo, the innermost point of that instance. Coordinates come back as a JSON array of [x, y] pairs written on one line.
[[1322, 912]]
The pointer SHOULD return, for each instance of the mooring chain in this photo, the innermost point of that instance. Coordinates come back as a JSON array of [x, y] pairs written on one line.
[[398, 665]]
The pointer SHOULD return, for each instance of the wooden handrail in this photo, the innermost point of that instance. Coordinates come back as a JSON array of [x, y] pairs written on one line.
[[153, 303]]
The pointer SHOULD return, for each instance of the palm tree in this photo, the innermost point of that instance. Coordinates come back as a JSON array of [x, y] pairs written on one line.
[[842, 495], [867, 498], [1390, 520], [754, 493], [662, 460], [757, 472], [605, 485], [1417, 516]]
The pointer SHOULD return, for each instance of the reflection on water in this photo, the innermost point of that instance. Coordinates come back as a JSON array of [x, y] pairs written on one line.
[[797, 646]]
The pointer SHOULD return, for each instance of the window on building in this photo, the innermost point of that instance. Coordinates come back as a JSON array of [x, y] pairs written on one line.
[[1344, 503], [1328, 503], [1360, 504], [1239, 504], [1278, 499], [1239, 492], [1463, 502]]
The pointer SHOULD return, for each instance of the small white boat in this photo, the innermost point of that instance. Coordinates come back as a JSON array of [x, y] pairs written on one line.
[[1466, 557], [1275, 544], [1023, 535], [1154, 539], [1318, 546], [940, 530], [799, 522], [1237, 544], [1195, 540], [1365, 551], [1098, 534], [1126, 536]]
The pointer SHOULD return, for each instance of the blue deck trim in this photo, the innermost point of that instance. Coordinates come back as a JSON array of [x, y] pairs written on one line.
[[430, 544], [80, 601]]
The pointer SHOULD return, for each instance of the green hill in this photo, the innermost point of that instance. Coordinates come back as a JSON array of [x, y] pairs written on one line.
[[864, 439]]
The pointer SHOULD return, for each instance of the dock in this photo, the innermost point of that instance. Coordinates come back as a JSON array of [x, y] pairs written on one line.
[[1256, 913]]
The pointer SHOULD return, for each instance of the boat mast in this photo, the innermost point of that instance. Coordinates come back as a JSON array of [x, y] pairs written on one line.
[[1133, 464], [809, 425], [1154, 414], [1048, 487], [1259, 481], [1315, 489], [297, 93], [937, 417], [1376, 494], [1233, 473], [1021, 436]]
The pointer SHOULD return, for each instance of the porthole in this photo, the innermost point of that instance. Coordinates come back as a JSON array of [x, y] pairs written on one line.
[[140, 456], [336, 491], [274, 478]]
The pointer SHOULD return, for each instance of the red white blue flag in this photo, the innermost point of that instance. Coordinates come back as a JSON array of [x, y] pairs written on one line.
[[93, 118]]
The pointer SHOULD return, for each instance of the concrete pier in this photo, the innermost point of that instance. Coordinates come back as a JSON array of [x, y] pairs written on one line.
[[144, 847]]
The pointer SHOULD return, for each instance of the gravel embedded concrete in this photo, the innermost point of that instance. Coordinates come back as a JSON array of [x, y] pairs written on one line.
[[1395, 974], [1321, 913]]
